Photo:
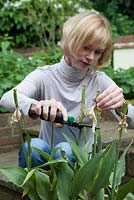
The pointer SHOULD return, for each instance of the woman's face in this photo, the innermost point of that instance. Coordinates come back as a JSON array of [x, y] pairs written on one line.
[[86, 57]]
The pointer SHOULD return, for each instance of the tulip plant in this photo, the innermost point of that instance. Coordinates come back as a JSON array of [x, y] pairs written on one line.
[[92, 175]]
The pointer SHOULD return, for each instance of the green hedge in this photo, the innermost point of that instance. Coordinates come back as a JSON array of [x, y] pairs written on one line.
[[37, 23], [124, 79]]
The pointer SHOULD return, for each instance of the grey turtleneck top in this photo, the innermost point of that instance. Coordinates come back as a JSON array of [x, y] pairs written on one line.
[[63, 83]]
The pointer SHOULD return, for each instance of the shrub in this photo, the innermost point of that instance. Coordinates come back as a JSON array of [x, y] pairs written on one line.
[[37, 23], [124, 79]]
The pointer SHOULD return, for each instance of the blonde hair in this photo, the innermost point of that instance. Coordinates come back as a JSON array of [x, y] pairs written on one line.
[[88, 27]]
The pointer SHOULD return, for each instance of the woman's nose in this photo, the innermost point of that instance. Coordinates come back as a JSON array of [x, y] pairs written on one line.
[[90, 56]]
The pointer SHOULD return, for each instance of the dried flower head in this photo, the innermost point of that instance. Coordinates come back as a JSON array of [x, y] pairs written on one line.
[[123, 123], [90, 113], [15, 117]]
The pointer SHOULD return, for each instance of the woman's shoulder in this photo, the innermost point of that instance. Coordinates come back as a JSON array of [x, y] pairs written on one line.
[[103, 80], [98, 75], [42, 72], [101, 74], [47, 68]]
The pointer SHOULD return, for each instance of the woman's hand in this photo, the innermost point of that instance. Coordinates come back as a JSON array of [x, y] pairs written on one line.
[[111, 98], [37, 107]]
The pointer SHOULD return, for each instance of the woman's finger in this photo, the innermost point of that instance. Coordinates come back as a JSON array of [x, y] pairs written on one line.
[[110, 97]]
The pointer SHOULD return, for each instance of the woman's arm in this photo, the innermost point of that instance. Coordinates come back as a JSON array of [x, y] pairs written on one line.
[[27, 93], [24, 100], [31, 98], [112, 98]]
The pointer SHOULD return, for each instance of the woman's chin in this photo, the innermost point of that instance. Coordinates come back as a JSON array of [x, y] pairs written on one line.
[[84, 66]]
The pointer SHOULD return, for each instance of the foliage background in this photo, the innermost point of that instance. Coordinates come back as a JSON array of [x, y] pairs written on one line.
[[38, 22]]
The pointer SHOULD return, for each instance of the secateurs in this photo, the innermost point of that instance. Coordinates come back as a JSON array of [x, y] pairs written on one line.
[[70, 122]]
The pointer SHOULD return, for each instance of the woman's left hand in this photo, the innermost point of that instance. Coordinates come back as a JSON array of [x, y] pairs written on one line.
[[111, 98]]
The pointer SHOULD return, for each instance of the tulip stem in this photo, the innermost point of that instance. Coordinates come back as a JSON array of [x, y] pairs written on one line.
[[82, 111], [97, 135], [52, 136], [121, 127]]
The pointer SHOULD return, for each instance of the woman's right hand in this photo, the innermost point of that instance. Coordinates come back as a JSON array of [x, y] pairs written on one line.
[[54, 106]]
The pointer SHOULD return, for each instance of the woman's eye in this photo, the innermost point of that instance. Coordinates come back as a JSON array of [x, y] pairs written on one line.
[[98, 52], [87, 48]]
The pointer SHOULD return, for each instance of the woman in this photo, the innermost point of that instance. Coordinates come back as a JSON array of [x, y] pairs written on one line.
[[87, 45]]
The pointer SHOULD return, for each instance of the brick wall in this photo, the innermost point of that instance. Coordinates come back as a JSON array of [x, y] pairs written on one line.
[[129, 159], [10, 137]]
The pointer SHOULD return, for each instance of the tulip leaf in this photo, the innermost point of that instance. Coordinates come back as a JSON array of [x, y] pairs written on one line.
[[84, 175], [125, 189], [42, 185], [64, 178], [85, 150], [120, 169], [91, 173], [80, 157], [104, 168], [30, 188], [55, 162], [15, 175], [129, 197], [100, 194], [99, 139], [29, 175], [45, 155]]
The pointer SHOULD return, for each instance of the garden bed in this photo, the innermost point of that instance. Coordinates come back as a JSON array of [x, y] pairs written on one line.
[[8, 191]]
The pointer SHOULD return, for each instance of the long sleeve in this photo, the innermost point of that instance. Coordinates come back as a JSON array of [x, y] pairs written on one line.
[[103, 83], [130, 116], [24, 102], [27, 92]]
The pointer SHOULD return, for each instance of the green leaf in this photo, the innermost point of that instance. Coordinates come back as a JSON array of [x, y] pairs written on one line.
[[126, 88], [124, 190], [99, 140], [42, 185], [64, 178], [120, 169], [45, 155], [85, 149], [125, 107], [131, 81], [100, 194], [129, 197], [84, 175], [80, 157], [30, 189], [104, 169], [94, 175], [29, 175], [15, 175], [53, 162]]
